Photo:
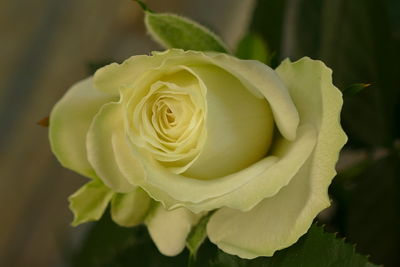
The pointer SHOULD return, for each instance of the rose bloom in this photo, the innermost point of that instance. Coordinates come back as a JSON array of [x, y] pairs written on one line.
[[168, 137]]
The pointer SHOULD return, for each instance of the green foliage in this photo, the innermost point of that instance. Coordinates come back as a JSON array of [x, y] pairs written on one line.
[[316, 248], [107, 244], [172, 31], [253, 46]]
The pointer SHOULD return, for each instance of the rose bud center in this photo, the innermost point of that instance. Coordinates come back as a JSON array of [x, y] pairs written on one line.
[[200, 121]]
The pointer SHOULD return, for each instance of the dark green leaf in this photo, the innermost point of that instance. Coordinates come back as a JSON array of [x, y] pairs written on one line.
[[316, 248]]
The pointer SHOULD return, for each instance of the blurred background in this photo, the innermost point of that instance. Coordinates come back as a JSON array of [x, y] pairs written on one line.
[[47, 45]]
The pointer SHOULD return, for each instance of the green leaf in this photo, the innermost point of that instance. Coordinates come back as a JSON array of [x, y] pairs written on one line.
[[253, 46], [172, 31], [316, 248], [89, 202], [197, 235]]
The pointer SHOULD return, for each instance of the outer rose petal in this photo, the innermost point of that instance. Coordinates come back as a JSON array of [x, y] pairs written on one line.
[[69, 122], [89, 202], [131, 208], [112, 77], [284, 163], [279, 221], [169, 229], [259, 78], [106, 126]]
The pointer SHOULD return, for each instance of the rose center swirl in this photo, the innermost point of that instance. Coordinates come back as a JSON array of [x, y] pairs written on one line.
[[169, 120]]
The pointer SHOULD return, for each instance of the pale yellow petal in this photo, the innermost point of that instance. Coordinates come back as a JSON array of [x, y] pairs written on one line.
[[285, 161], [279, 221], [130, 209], [69, 122], [239, 125], [113, 77], [262, 80], [106, 127], [169, 229]]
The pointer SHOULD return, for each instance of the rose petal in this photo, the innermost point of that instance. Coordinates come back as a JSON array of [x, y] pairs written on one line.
[[107, 126], [289, 158], [177, 153], [279, 221], [169, 229], [130, 209], [113, 77], [69, 122], [259, 78], [239, 125]]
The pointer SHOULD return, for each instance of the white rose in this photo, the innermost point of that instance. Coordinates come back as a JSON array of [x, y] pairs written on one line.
[[201, 131]]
